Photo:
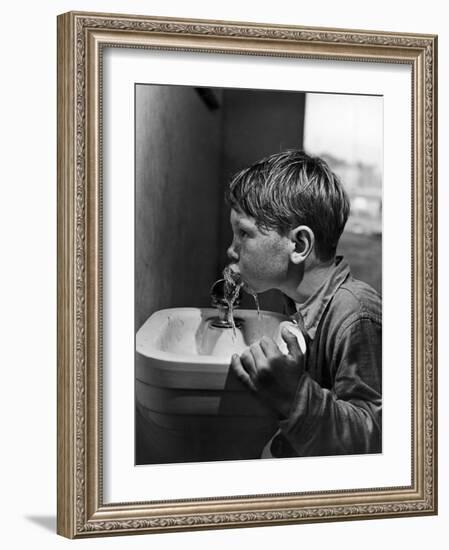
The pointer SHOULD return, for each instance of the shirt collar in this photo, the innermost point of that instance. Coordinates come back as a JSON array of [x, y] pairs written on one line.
[[309, 313]]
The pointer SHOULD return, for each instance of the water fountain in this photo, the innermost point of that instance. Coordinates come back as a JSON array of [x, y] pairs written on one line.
[[190, 405]]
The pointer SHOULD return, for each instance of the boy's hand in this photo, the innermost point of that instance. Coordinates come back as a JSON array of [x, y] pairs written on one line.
[[269, 373]]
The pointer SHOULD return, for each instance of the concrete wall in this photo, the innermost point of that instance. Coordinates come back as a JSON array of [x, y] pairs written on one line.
[[178, 152], [185, 154]]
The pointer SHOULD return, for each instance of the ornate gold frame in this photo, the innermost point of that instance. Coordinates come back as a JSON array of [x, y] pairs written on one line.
[[81, 37]]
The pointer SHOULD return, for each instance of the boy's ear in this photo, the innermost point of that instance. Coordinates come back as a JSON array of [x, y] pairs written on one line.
[[304, 241]]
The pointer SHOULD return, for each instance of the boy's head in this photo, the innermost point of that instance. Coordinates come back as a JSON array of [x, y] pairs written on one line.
[[292, 189]]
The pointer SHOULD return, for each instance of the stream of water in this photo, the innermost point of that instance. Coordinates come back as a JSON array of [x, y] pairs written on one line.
[[233, 284]]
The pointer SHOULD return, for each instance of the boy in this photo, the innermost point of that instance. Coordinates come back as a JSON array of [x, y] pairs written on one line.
[[288, 212]]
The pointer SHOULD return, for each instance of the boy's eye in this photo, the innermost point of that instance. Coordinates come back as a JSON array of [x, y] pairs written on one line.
[[243, 233]]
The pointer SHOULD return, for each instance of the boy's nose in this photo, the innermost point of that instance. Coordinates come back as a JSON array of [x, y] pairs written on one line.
[[232, 254]]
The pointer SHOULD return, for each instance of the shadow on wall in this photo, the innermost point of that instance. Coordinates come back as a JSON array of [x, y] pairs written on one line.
[[46, 522]]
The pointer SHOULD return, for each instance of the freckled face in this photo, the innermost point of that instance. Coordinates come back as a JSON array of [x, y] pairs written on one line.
[[260, 256]]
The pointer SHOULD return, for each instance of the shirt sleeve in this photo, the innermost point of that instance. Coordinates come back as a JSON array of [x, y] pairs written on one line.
[[346, 419]]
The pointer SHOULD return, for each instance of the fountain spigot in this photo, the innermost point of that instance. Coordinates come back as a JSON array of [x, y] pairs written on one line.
[[219, 301], [218, 295]]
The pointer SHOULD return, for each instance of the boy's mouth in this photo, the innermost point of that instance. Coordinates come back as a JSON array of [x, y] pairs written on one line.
[[234, 274]]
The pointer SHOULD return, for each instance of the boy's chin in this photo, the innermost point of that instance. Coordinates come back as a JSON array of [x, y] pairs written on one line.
[[249, 289]]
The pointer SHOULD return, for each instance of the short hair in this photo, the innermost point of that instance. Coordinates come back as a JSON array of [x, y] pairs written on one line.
[[292, 188]]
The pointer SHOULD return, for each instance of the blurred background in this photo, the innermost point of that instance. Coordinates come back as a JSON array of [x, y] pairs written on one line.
[[347, 131], [190, 142]]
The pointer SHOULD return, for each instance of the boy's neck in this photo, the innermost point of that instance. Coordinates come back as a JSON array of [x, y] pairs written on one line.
[[312, 279]]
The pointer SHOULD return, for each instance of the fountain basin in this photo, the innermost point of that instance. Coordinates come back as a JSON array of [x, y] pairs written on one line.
[[190, 405]]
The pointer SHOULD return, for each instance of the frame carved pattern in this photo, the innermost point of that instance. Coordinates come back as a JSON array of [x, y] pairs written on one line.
[[74, 520]]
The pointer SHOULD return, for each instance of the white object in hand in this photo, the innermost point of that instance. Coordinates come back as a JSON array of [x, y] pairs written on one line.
[[296, 331]]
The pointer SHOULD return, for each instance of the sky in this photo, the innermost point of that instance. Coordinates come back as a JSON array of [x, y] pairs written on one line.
[[349, 127]]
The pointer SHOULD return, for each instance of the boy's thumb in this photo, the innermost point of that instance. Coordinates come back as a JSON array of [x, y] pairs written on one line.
[[295, 341]]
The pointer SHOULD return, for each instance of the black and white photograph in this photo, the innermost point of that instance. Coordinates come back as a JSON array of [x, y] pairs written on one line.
[[247, 284], [258, 274]]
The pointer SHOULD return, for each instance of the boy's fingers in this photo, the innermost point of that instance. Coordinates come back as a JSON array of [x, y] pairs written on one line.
[[258, 355], [248, 363], [269, 347], [292, 343], [240, 372]]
